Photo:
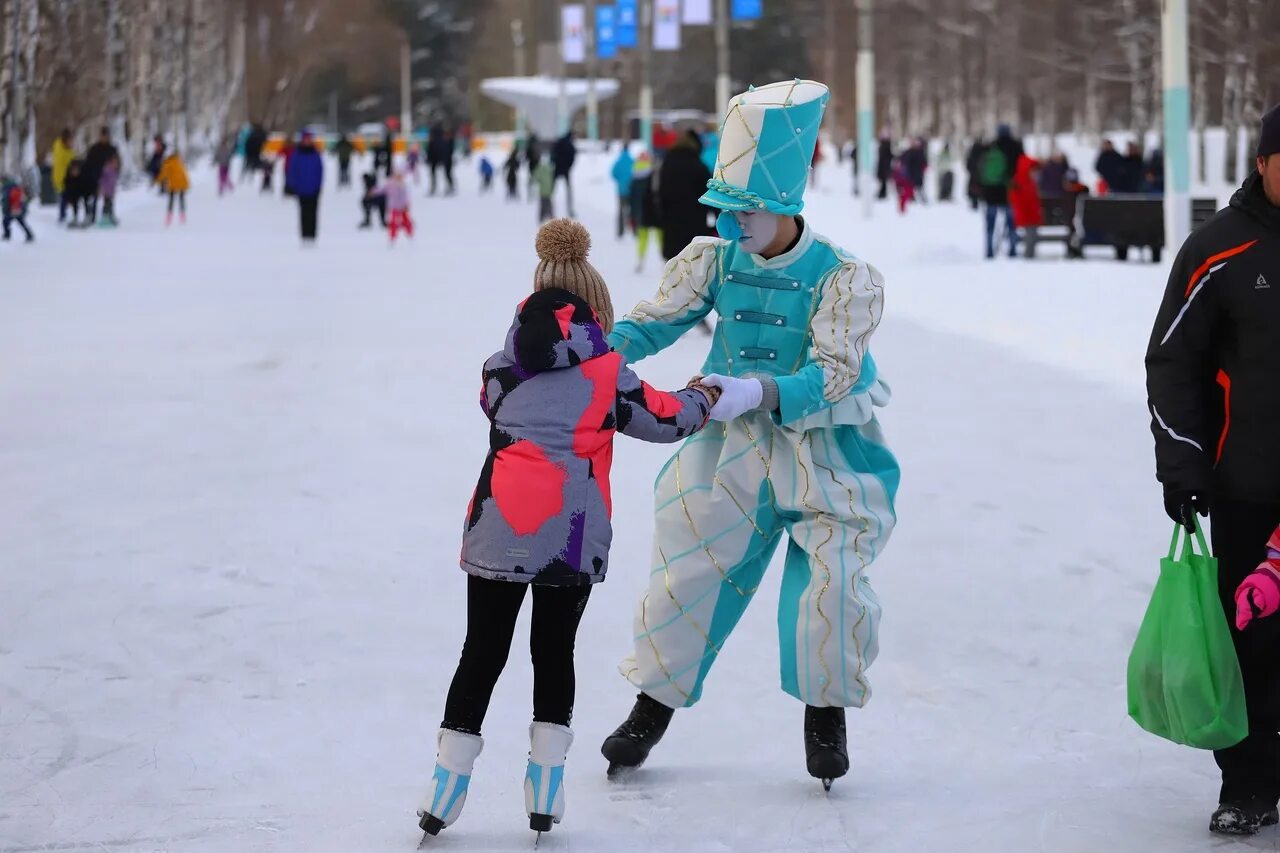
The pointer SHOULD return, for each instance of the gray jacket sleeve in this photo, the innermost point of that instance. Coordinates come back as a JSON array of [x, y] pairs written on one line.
[[664, 417]]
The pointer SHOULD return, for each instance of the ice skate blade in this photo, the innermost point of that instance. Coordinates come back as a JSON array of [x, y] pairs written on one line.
[[621, 772], [826, 785], [430, 824]]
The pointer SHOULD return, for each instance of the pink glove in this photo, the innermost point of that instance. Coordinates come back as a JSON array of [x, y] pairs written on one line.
[[1258, 594]]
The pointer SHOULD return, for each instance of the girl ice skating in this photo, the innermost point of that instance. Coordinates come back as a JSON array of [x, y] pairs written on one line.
[[397, 196], [173, 179], [554, 397]]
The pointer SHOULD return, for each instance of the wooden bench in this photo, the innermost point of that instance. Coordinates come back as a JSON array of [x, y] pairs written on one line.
[[1059, 214], [1124, 221]]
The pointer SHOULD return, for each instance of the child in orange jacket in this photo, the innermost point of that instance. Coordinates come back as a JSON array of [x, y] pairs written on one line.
[[175, 181]]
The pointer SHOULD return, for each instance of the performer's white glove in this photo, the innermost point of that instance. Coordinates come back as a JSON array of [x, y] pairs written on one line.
[[737, 396]]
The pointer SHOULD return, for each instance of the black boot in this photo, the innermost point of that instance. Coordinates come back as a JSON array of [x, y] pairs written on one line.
[[1243, 818], [629, 745], [826, 747]]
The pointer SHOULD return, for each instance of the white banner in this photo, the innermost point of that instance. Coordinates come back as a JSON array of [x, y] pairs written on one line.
[[573, 33], [666, 24], [697, 12]]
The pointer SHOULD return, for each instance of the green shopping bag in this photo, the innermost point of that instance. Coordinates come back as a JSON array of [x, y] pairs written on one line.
[[1184, 678]]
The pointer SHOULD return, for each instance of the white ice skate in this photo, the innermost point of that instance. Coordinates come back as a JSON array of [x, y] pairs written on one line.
[[544, 781], [455, 758]]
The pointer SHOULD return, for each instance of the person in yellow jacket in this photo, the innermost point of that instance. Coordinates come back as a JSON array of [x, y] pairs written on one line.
[[63, 154], [174, 180]]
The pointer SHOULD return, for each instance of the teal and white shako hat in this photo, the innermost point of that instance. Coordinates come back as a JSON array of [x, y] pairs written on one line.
[[766, 148]]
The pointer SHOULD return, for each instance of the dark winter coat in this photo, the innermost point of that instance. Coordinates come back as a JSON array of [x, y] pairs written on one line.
[[644, 202], [1129, 179], [884, 161], [1053, 175], [253, 146], [997, 193], [563, 154], [533, 152], [439, 147], [681, 182], [972, 163], [99, 155], [555, 395], [304, 176], [343, 150], [1213, 359], [1110, 167], [916, 162]]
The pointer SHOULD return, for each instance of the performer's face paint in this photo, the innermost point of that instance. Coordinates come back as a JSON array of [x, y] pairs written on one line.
[[752, 230]]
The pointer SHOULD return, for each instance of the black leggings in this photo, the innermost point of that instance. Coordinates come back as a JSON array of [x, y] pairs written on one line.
[[1251, 768], [492, 608], [181, 198]]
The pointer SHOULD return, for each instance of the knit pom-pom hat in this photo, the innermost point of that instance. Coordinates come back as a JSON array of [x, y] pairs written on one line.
[[562, 246]]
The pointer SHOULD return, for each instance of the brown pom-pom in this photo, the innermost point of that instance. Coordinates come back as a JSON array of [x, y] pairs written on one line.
[[563, 240]]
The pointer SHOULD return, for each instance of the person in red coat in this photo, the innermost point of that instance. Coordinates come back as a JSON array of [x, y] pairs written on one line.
[[1024, 201]]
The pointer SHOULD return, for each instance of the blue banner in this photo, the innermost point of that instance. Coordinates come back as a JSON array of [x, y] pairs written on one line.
[[606, 33], [747, 10], [625, 24]]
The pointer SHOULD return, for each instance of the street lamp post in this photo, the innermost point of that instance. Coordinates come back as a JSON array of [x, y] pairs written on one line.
[[646, 83], [517, 41], [866, 103], [1177, 123], [593, 105], [406, 91], [722, 56]]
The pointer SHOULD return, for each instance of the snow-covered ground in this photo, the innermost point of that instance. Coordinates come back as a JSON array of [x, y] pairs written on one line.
[[232, 479]]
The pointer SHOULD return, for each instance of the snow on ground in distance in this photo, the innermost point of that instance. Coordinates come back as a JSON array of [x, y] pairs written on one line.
[[234, 478]]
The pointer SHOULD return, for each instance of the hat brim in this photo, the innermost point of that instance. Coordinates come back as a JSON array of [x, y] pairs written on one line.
[[724, 201]]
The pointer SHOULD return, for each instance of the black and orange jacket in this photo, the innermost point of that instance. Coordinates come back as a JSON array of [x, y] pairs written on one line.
[[1213, 364]]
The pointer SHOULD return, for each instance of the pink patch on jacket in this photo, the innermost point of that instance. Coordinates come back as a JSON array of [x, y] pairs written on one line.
[[564, 315], [590, 439], [527, 487], [661, 403]]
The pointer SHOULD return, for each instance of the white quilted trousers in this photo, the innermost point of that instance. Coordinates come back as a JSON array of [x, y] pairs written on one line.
[[721, 506]]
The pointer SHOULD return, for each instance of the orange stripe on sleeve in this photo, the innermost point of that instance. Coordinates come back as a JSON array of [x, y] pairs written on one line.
[[1225, 381], [1221, 256]]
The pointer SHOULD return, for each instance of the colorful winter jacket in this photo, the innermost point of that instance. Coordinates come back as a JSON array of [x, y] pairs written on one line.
[[13, 198], [555, 395], [173, 175], [63, 154], [109, 181]]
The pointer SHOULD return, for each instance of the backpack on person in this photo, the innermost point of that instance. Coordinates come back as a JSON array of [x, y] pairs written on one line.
[[993, 171], [14, 200]]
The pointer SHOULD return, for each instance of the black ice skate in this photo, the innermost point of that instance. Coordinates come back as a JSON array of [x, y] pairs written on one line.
[[826, 748], [1242, 819], [629, 745]]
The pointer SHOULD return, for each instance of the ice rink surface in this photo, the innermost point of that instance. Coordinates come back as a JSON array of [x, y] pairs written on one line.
[[233, 474]]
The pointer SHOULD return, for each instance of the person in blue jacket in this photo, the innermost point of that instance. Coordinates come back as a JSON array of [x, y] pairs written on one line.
[[621, 174], [305, 178]]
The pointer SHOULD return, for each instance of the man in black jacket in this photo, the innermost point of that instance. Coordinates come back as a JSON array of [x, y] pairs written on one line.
[[99, 155], [563, 155], [1212, 370]]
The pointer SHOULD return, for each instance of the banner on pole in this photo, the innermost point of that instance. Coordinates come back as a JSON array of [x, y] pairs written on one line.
[[606, 33], [747, 10], [697, 12], [573, 42], [625, 23], [666, 24]]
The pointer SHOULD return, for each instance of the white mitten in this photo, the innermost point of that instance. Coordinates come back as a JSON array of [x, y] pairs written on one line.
[[737, 396]]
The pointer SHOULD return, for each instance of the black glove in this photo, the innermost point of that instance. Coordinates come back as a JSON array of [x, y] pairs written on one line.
[[1183, 505]]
